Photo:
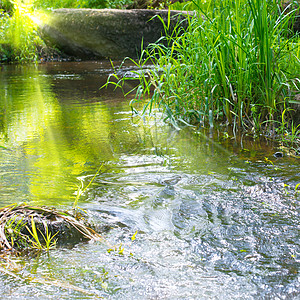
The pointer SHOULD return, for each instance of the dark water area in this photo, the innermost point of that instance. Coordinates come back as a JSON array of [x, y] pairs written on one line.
[[184, 214]]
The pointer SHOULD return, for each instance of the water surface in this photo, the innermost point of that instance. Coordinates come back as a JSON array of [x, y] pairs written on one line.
[[213, 216]]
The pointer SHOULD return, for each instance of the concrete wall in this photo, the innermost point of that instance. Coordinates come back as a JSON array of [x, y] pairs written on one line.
[[106, 33]]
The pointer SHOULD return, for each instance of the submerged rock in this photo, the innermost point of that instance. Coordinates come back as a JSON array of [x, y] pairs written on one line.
[[107, 33], [19, 223]]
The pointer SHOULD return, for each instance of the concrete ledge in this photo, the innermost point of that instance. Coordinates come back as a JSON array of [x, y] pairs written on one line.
[[106, 33]]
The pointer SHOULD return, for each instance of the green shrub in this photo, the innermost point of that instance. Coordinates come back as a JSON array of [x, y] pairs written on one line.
[[95, 4], [52, 4], [6, 5]]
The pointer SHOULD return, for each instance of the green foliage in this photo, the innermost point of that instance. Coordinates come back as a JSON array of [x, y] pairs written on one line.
[[118, 3], [6, 5], [52, 4], [13, 229], [288, 132], [81, 189], [95, 4], [238, 63], [188, 5], [98, 4], [18, 35]]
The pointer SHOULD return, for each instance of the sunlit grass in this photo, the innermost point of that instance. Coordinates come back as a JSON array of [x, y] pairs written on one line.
[[48, 241], [19, 21], [239, 63], [19, 40]]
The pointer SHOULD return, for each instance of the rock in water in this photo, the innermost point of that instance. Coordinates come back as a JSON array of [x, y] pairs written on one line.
[[19, 222]]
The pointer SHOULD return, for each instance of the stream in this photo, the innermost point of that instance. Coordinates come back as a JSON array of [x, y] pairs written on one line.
[[189, 214]]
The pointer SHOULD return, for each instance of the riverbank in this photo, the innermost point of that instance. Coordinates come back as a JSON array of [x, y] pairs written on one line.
[[238, 66]]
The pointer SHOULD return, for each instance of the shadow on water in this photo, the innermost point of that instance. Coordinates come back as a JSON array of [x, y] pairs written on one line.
[[184, 214]]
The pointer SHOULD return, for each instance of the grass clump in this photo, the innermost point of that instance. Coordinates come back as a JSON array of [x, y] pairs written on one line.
[[237, 61], [24, 227]]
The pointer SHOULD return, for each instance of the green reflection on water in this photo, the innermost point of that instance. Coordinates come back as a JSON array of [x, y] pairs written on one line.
[[55, 126], [48, 142]]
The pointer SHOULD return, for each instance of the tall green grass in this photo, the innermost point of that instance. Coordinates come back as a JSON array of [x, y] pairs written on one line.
[[237, 61]]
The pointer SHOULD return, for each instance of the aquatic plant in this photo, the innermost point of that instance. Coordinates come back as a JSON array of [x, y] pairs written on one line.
[[81, 189], [237, 62], [288, 131], [48, 241]]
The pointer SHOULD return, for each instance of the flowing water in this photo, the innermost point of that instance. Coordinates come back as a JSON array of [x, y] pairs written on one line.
[[184, 214]]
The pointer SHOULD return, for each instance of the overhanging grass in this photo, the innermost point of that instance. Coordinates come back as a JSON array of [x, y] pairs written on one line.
[[237, 61]]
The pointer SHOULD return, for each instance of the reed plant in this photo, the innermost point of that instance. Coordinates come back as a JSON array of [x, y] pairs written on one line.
[[237, 61]]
